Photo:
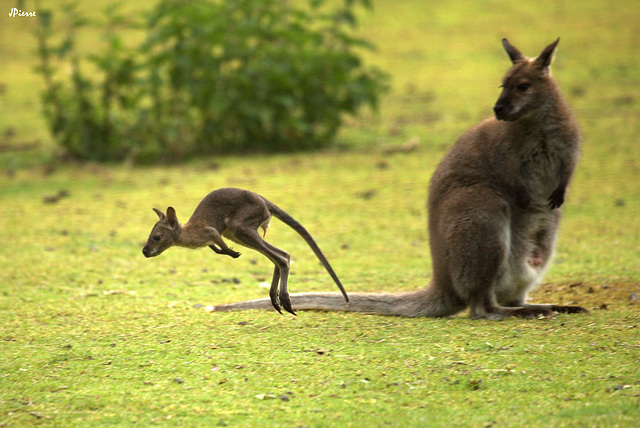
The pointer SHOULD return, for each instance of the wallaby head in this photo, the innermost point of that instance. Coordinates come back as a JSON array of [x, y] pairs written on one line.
[[164, 234], [527, 85]]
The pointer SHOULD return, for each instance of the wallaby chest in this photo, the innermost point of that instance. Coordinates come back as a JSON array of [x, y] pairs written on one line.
[[544, 157]]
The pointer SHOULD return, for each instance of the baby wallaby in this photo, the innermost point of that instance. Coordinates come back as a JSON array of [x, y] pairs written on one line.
[[235, 214], [493, 208]]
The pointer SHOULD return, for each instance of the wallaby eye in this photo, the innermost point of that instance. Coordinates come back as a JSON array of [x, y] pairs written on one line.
[[157, 238], [523, 87]]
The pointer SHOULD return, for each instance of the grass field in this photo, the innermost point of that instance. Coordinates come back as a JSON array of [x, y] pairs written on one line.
[[94, 334]]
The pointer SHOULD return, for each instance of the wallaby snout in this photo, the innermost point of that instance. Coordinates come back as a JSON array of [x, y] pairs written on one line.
[[499, 109], [517, 98], [504, 110]]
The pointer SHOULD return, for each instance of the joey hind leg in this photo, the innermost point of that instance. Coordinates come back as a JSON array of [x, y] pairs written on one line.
[[281, 269], [273, 291], [281, 260], [283, 294], [279, 295]]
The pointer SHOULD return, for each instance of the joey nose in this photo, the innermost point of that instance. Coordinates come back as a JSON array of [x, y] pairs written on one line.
[[498, 110], [146, 252]]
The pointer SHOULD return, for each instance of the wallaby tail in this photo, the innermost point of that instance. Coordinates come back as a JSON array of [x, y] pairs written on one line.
[[426, 302], [295, 225]]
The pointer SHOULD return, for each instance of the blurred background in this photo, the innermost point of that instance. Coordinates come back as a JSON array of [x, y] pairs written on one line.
[[391, 86]]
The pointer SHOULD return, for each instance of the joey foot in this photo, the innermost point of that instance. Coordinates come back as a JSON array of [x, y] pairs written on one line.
[[273, 295], [285, 300], [281, 299]]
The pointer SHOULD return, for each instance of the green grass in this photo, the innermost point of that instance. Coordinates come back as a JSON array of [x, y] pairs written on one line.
[[92, 333]]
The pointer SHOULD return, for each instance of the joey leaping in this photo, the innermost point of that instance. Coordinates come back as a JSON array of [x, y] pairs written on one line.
[[237, 215]]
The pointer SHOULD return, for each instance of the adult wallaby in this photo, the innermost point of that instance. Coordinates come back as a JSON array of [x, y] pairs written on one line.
[[493, 208], [235, 214]]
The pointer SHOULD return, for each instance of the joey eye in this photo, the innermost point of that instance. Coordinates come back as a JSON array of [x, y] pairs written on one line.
[[157, 238], [523, 87]]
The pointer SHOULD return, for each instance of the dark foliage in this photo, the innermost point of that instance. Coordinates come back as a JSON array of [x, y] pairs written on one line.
[[210, 77]]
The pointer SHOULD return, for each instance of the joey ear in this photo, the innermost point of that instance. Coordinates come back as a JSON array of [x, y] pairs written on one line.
[[159, 213], [545, 58], [172, 218], [514, 54]]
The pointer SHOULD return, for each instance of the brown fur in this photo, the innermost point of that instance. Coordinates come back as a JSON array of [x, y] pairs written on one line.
[[493, 208], [237, 215]]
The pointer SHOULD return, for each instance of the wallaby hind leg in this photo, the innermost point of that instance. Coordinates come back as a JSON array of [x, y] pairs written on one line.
[[281, 259], [542, 243], [478, 251]]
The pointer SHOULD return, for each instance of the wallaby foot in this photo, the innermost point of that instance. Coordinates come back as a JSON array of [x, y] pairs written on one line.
[[501, 313], [569, 309], [543, 309], [525, 311]]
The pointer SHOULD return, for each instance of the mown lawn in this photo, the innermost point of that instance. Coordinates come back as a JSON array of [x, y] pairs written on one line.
[[92, 333]]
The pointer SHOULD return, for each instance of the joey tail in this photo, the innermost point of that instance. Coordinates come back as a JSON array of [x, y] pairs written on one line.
[[299, 228]]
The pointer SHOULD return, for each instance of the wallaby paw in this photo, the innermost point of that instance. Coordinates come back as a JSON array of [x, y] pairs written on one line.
[[556, 199], [234, 254]]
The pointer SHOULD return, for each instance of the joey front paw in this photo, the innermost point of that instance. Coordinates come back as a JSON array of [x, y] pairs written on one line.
[[234, 254]]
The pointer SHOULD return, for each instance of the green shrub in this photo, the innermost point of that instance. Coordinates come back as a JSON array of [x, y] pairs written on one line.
[[210, 77]]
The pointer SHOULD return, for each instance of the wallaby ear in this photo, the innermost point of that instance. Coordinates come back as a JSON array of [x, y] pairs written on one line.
[[159, 213], [172, 218], [545, 58], [514, 54]]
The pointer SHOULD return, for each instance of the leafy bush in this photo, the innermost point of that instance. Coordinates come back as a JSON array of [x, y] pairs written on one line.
[[210, 77]]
